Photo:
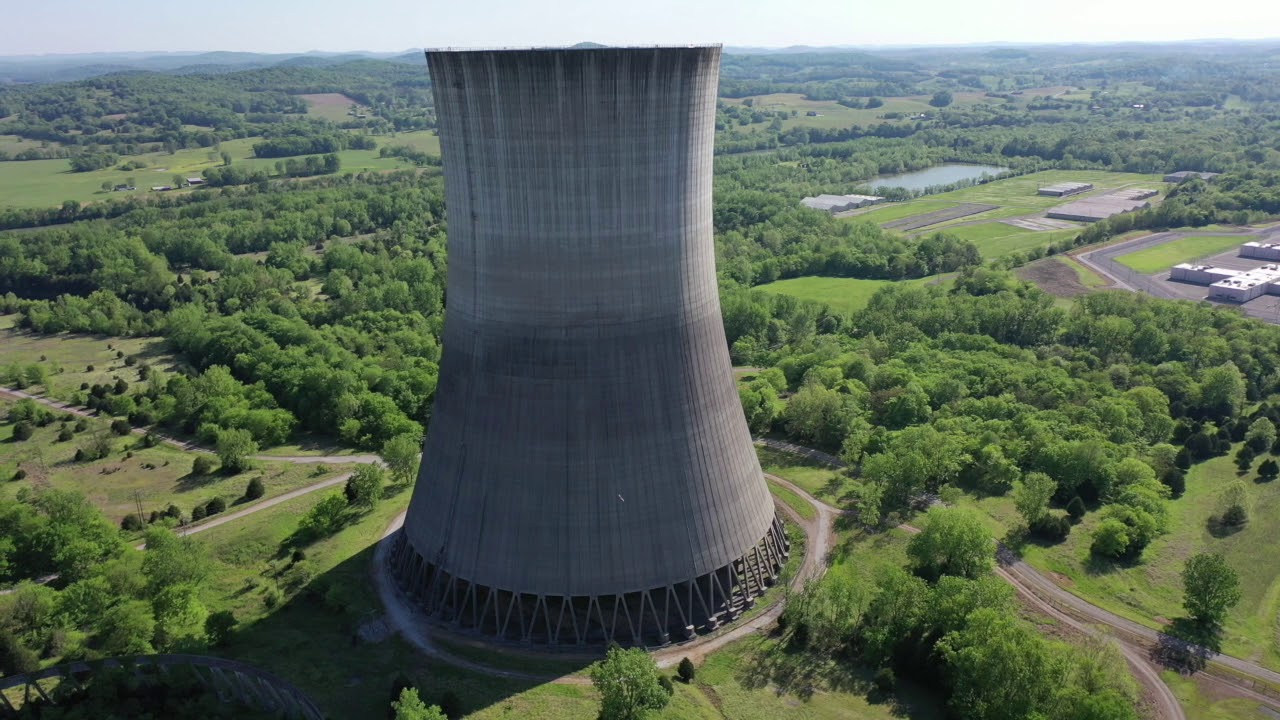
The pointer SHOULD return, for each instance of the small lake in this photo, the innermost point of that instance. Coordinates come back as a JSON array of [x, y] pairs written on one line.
[[936, 175]]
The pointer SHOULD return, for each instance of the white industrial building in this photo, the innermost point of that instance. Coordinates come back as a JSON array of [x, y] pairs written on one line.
[[1200, 274], [1231, 285], [840, 203], [1260, 251]]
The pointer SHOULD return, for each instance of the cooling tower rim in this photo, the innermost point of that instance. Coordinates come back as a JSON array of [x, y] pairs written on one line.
[[567, 48]]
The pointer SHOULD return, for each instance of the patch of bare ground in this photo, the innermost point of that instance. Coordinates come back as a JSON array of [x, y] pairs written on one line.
[[1053, 277]]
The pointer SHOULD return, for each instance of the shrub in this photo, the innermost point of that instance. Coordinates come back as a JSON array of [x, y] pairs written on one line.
[[1182, 459], [1110, 539], [121, 387], [255, 489], [1052, 527], [218, 627], [131, 523], [1235, 516], [130, 361], [81, 455], [65, 434], [451, 705], [82, 424], [885, 680], [19, 474], [197, 512], [666, 684], [1176, 480], [1076, 509], [89, 368], [23, 430], [202, 465], [686, 670], [1269, 469], [121, 427], [215, 506]]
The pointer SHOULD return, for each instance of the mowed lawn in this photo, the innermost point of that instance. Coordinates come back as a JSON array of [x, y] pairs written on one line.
[[1150, 591], [997, 239], [844, 295], [1021, 191], [47, 183], [899, 210], [1162, 257], [330, 106]]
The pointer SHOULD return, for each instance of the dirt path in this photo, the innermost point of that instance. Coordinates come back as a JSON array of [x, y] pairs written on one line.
[[188, 444], [404, 617]]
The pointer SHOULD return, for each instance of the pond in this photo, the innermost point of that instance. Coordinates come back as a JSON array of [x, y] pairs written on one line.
[[936, 175]]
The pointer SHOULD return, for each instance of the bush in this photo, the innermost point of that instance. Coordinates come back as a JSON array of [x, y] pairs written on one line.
[[65, 434], [885, 681], [666, 684], [451, 705], [255, 489], [202, 465], [121, 387], [197, 513], [218, 627], [686, 670], [1182, 460], [215, 506], [19, 474], [1052, 527], [1110, 539], [23, 430], [1235, 516], [82, 424], [132, 523], [121, 427], [1269, 469], [81, 455], [89, 368], [1076, 509], [1176, 480], [130, 361]]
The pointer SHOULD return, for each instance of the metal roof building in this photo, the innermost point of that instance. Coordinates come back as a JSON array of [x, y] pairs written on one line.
[[1063, 189], [840, 203], [588, 475], [1177, 177], [1096, 208]]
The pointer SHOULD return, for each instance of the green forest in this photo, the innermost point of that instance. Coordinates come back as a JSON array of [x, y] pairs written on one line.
[[305, 306]]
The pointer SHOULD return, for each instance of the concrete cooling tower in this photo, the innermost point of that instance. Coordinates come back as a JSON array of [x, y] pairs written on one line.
[[588, 475]]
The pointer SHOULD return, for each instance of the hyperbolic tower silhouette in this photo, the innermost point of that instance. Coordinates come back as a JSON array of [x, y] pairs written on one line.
[[588, 475]]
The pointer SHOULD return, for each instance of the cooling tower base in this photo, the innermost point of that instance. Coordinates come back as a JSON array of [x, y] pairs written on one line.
[[657, 616]]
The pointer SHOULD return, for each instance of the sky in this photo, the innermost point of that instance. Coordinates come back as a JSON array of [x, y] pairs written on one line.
[[79, 26]]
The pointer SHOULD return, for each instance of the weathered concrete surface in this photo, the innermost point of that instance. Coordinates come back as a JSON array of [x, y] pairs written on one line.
[[587, 437]]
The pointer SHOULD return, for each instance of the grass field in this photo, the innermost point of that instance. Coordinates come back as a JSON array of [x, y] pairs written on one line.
[[45, 183], [1162, 257], [844, 295], [329, 106], [996, 239], [834, 115], [1086, 276], [1150, 592], [899, 210], [813, 477], [1020, 191], [13, 144], [1202, 700], [132, 474], [66, 358]]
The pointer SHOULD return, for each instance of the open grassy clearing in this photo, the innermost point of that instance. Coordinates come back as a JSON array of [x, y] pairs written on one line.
[[132, 474], [1087, 276], [329, 106], [793, 501], [14, 144], [1164, 256], [1150, 592], [1202, 700], [834, 115], [1061, 277], [1021, 191], [66, 358], [45, 183], [813, 477], [844, 295]]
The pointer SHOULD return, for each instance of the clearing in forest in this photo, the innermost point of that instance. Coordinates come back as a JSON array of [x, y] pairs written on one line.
[[330, 106]]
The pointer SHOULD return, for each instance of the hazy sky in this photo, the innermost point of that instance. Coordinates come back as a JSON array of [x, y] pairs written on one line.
[[298, 25]]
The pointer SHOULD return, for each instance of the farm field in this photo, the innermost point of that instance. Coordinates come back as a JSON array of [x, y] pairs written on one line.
[[46, 183], [834, 115], [889, 212], [13, 144], [329, 106], [1150, 592], [1161, 257]]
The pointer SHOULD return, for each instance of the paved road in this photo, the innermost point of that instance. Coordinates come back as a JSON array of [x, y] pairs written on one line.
[[1103, 260], [1032, 583]]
